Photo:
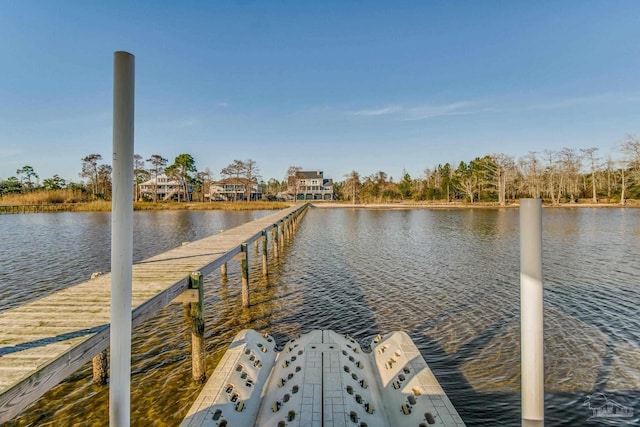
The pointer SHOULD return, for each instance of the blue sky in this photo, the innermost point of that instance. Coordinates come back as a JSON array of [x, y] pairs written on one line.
[[331, 85]]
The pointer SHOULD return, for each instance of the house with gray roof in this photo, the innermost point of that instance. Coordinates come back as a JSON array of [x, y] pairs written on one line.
[[312, 185]]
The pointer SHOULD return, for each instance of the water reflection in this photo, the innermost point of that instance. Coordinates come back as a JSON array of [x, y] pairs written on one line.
[[448, 277]]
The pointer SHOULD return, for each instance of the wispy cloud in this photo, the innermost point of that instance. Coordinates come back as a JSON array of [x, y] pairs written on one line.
[[495, 105], [429, 111], [423, 111], [377, 112]]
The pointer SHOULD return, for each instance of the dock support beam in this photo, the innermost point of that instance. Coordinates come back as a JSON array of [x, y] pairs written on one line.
[[244, 266], [198, 351], [531, 313], [265, 271], [223, 270]]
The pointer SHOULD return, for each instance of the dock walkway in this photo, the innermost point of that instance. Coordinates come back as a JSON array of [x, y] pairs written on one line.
[[46, 340]]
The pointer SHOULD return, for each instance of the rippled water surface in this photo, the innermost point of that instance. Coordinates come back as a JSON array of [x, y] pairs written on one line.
[[448, 277]]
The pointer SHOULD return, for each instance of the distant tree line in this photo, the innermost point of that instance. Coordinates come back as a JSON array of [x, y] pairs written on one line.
[[97, 179], [562, 176]]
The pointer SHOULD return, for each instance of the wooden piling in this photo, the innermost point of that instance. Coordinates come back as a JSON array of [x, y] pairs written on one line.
[[265, 271], [276, 244], [223, 270], [100, 368], [281, 237], [100, 362], [244, 265], [198, 351]]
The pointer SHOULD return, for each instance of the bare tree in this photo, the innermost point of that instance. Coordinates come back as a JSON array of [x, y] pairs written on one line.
[[252, 174], [589, 153], [293, 183], [631, 151], [553, 178], [610, 164], [532, 171], [570, 163], [502, 168], [353, 184], [205, 178]]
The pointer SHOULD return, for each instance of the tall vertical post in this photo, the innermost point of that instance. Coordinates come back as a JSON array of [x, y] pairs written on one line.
[[198, 355], [531, 313], [121, 239], [244, 266], [265, 271]]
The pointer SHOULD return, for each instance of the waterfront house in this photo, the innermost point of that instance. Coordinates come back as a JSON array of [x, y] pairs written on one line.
[[165, 188], [312, 185], [233, 189]]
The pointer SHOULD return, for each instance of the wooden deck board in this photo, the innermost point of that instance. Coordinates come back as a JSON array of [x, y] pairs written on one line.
[[43, 341]]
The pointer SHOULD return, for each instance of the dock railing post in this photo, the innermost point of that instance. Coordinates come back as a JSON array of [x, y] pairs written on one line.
[[265, 271], [121, 239], [244, 265], [531, 313], [198, 354]]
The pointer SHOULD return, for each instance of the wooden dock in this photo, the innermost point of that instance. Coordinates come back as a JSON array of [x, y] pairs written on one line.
[[46, 340]]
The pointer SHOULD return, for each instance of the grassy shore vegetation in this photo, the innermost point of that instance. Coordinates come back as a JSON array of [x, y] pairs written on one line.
[[76, 200]]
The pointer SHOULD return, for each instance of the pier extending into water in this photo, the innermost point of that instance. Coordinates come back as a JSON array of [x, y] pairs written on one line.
[[44, 341]]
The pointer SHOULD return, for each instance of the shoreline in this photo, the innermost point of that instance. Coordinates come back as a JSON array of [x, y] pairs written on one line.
[[105, 206], [429, 205]]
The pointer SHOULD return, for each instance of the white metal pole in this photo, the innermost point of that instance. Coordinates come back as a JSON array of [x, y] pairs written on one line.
[[121, 239], [531, 312]]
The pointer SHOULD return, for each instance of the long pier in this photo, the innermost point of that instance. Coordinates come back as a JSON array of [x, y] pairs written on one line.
[[46, 340]]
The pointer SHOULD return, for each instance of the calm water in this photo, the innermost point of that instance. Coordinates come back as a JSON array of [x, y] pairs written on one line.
[[447, 277]]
